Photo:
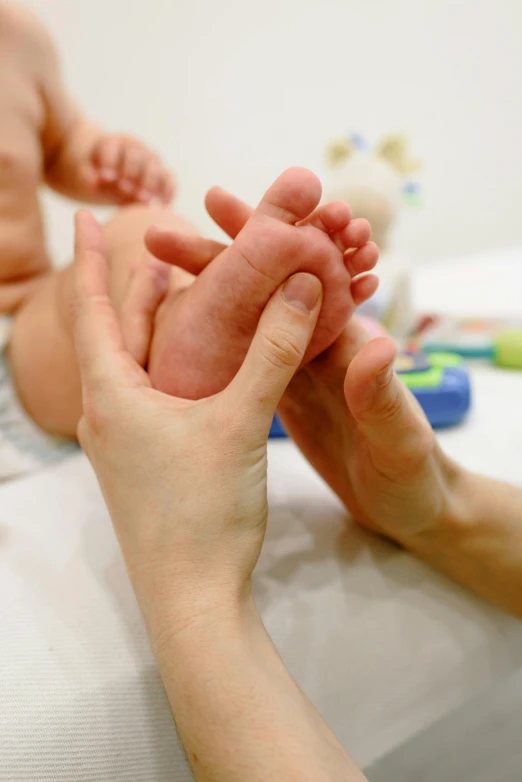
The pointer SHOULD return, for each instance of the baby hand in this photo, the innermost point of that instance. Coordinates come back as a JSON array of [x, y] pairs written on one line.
[[124, 168]]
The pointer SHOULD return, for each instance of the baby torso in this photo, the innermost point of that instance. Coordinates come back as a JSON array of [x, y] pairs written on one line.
[[22, 116]]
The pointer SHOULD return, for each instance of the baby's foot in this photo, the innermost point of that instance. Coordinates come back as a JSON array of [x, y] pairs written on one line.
[[203, 334]]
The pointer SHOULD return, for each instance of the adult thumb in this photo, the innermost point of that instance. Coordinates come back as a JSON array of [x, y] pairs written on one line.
[[388, 416], [277, 349]]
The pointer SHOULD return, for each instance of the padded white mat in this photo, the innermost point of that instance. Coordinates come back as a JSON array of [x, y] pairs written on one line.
[[383, 645]]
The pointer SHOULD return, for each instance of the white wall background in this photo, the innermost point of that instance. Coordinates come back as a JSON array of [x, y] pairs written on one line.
[[233, 92]]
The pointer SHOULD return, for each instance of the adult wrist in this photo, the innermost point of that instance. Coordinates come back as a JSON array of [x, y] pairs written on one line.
[[440, 540], [181, 615]]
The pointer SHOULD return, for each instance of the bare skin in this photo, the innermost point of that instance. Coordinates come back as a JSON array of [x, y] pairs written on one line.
[[45, 138], [366, 435], [191, 525], [287, 233]]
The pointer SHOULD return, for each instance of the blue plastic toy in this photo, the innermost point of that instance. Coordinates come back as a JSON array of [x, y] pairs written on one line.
[[441, 384], [277, 429], [439, 381]]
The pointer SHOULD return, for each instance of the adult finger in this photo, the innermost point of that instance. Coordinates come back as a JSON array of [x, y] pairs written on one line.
[[277, 349], [386, 412], [187, 251], [98, 339], [147, 289], [227, 211]]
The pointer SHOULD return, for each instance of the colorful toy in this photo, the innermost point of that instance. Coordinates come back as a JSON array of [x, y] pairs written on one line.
[[377, 181], [277, 430], [439, 381], [489, 340], [467, 338], [441, 384], [508, 349]]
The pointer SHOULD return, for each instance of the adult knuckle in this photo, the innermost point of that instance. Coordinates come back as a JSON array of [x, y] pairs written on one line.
[[386, 410], [389, 409], [281, 348]]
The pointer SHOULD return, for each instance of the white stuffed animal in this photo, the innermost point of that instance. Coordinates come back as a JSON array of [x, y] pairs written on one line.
[[376, 184]]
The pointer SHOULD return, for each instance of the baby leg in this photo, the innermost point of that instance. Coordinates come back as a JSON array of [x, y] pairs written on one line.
[[41, 351]]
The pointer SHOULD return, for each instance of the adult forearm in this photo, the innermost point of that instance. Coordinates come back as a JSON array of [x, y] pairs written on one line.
[[479, 543], [238, 712]]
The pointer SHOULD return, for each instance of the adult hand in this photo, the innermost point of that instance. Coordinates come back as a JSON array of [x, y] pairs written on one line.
[[349, 413], [366, 435], [185, 481]]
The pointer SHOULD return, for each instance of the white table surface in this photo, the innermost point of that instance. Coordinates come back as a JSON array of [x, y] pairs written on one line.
[[383, 645]]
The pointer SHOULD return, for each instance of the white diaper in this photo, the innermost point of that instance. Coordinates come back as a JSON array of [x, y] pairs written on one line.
[[23, 446]]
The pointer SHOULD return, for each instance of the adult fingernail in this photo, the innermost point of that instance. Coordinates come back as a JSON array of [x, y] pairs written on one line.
[[302, 291], [384, 377]]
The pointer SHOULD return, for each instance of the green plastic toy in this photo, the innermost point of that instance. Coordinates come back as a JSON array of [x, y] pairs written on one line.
[[508, 349]]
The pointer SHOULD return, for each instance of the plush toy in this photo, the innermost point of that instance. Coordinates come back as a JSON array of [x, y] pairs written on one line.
[[376, 183]]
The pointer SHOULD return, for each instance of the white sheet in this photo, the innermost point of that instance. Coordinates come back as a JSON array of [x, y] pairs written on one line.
[[382, 644]]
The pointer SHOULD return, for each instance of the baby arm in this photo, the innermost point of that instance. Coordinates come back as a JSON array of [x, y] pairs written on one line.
[[84, 162]]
